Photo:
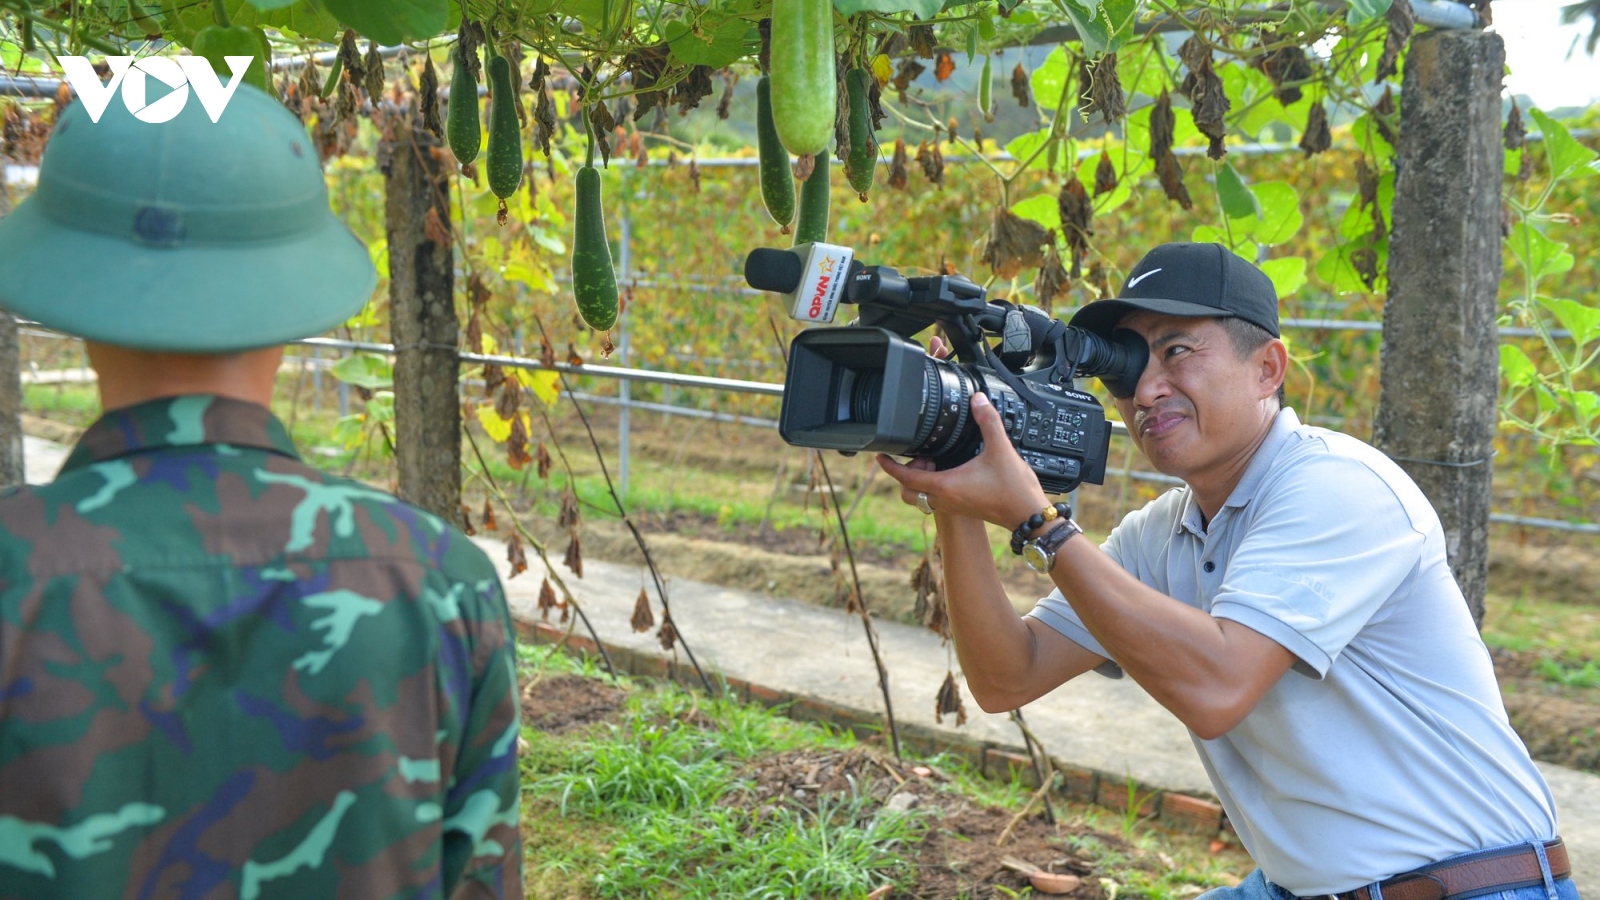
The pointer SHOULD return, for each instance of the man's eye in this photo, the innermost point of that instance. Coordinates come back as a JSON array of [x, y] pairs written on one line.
[[1175, 350]]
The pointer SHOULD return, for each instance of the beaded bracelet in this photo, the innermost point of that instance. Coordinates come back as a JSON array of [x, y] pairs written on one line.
[[1036, 522]]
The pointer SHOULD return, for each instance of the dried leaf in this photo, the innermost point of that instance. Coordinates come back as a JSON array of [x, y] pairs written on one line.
[[921, 38], [350, 57], [494, 377], [944, 66], [725, 105], [668, 635], [569, 516], [372, 77], [517, 445], [547, 353], [1105, 175], [1516, 134], [543, 459], [544, 120], [574, 557], [1317, 137], [694, 180], [930, 609], [1208, 102], [1076, 211], [1402, 22], [898, 174], [1286, 68], [1171, 175], [508, 402], [645, 66], [1052, 280], [1014, 243], [489, 524], [547, 600], [1020, 87], [949, 701], [1383, 114], [515, 556], [643, 619], [931, 158], [428, 95], [1100, 90], [466, 522], [573, 359], [688, 93], [904, 74], [1161, 122]]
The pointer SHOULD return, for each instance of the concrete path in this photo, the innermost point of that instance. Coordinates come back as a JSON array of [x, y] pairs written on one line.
[[1112, 727]]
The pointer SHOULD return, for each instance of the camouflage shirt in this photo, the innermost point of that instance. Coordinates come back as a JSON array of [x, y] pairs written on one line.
[[226, 674]]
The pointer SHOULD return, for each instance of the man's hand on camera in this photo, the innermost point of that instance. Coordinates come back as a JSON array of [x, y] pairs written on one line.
[[995, 486]]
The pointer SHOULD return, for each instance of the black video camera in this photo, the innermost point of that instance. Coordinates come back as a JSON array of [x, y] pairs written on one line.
[[869, 387]]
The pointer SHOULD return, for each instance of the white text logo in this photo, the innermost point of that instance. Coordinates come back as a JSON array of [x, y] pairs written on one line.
[[178, 74]]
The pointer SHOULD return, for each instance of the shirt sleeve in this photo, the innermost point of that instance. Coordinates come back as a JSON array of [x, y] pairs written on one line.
[[1121, 545], [481, 843], [1317, 563]]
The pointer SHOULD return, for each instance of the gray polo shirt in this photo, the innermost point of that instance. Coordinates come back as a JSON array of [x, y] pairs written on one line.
[[1386, 747]]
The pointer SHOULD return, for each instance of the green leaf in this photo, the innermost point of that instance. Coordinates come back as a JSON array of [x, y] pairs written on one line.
[[1041, 208], [1363, 11], [366, 370], [1050, 79], [1237, 200], [715, 48], [1288, 274], [1086, 18], [1142, 71], [1587, 405], [1583, 322], [303, 17], [1540, 255], [1517, 367], [271, 4], [392, 21], [1567, 156], [1023, 145], [1280, 213], [924, 9]]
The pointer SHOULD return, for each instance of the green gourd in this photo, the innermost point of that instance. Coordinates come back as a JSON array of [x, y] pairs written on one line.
[[812, 225], [504, 163], [861, 162], [594, 282], [804, 86], [461, 127], [777, 181]]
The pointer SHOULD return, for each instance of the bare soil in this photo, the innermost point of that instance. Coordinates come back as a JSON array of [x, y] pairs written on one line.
[[969, 850]]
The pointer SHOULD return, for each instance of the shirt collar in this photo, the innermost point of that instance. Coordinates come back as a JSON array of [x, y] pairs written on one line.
[[1283, 427], [189, 420]]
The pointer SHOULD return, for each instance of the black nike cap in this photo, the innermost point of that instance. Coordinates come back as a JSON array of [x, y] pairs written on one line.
[[1188, 280]]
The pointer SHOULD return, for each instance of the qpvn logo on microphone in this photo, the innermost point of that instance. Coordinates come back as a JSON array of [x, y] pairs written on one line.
[[132, 75]]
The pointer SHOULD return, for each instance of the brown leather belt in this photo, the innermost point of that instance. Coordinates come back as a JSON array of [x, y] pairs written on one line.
[[1492, 870]]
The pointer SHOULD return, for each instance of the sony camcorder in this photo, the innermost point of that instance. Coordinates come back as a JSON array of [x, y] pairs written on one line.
[[868, 386]]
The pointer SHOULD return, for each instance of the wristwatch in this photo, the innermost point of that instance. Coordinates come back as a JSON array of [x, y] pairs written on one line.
[[1040, 553]]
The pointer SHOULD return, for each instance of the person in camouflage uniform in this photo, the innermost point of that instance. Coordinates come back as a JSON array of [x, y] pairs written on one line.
[[224, 673]]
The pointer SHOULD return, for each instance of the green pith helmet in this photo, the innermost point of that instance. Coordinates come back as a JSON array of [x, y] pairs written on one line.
[[184, 236]]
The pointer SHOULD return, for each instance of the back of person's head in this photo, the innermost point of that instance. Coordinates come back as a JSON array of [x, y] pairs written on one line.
[[185, 236]]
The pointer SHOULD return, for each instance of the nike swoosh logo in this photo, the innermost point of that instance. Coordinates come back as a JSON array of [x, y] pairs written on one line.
[[1134, 281]]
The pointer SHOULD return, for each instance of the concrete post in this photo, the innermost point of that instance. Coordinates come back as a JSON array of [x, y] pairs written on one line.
[[422, 313], [1440, 363], [11, 463]]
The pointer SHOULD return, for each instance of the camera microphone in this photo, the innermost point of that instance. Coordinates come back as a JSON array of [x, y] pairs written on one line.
[[811, 276]]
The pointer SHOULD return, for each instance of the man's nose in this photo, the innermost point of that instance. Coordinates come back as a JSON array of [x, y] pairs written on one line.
[[1152, 383]]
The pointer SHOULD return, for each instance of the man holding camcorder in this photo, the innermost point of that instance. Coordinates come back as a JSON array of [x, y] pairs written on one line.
[[1291, 604]]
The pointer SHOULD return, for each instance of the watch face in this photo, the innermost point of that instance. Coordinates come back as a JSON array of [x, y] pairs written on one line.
[[1037, 559]]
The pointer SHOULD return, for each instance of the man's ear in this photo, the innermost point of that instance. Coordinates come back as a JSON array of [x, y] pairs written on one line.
[[1273, 360]]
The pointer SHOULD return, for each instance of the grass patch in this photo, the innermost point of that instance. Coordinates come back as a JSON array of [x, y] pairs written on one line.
[[1526, 623], [679, 795]]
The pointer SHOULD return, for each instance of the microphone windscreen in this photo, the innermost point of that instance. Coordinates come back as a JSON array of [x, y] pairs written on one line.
[[769, 269]]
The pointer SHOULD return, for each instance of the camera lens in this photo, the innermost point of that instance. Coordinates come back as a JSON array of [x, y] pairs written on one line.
[[866, 394], [946, 394]]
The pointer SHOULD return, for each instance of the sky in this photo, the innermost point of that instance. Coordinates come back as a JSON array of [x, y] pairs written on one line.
[[1537, 46]]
